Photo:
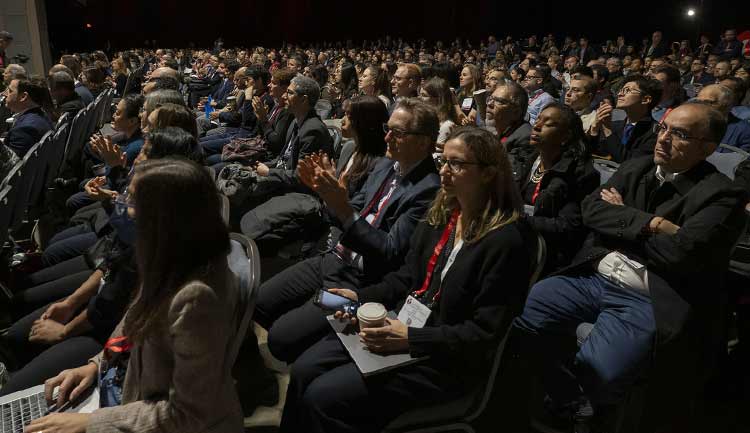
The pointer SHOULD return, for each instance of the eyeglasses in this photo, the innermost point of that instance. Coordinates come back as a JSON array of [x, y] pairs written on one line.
[[530, 77], [456, 165], [629, 90], [661, 128], [492, 100], [401, 133], [291, 92]]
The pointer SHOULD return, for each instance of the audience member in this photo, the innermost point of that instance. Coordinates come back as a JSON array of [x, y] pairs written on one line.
[[507, 107], [729, 47], [671, 91], [640, 279], [74, 65], [26, 98], [579, 97], [482, 276], [621, 140], [374, 82], [437, 93], [13, 72], [63, 93], [722, 99], [533, 82]]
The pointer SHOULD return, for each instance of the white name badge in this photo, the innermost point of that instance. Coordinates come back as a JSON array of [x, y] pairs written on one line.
[[414, 313], [528, 210]]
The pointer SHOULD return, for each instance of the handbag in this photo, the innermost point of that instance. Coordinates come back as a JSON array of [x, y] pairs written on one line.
[[245, 150]]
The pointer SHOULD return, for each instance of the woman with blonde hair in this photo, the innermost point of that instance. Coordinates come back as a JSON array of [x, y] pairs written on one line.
[[467, 273]]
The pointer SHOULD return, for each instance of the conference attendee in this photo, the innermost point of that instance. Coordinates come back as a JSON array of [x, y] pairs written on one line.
[[26, 98], [586, 52], [697, 77], [5, 40], [373, 233], [169, 74], [120, 73], [729, 47], [13, 72], [616, 76], [722, 70], [671, 93], [554, 173], [533, 82], [437, 93], [273, 125], [657, 48], [600, 74], [470, 80], [189, 310], [621, 140], [640, 280], [405, 80], [63, 93], [473, 238], [74, 64], [374, 82], [507, 108], [722, 99], [579, 97], [95, 79]]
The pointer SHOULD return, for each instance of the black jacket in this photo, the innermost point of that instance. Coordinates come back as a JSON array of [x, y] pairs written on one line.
[[685, 270], [384, 244], [481, 293], [274, 131], [641, 142], [518, 138], [557, 209]]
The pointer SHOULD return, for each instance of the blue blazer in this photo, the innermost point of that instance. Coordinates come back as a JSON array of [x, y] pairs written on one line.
[[29, 127]]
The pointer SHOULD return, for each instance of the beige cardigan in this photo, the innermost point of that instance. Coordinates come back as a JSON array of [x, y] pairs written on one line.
[[182, 382]]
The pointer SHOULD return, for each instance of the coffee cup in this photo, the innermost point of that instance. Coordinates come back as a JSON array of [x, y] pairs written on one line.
[[371, 315]]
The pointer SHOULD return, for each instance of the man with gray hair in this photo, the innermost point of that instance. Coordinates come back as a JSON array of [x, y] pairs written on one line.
[[13, 72], [63, 91], [722, 99]]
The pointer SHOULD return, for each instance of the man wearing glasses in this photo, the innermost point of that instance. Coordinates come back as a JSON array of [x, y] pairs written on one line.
[[538, 98], [649, 278], [621, 140], [507, 109], [371, 234]]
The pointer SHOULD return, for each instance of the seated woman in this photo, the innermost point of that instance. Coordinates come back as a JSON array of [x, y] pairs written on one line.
[[120, 74], [468, 264], [374, 82], [554, 174], [181, 326], [437, 92]]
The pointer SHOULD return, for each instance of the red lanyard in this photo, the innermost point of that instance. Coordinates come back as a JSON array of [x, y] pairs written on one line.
[[436, 253], [536, 192], [118, 345]]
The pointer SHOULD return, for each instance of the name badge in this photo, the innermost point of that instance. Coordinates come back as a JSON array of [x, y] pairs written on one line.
[[414, 313], [528, 210]]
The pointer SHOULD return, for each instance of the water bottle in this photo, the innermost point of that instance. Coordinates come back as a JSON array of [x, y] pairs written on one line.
[[208, 108]]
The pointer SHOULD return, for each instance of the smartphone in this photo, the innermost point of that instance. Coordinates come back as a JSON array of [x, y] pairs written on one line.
[[332, 302]]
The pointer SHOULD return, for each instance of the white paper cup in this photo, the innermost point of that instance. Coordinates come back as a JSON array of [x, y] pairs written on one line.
[[371, 315]]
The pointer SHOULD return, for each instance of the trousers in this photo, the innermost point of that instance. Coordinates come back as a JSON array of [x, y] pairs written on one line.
[[612, 357]]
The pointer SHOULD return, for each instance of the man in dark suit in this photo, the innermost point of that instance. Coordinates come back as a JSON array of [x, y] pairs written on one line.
[[63, 92], [624, 139], [506, 107], [586, 52], [649, 278], [25, 97], [375, 228]]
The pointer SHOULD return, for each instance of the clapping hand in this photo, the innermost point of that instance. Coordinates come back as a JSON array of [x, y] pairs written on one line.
[[109, 152], [260, 109], [94, 190]]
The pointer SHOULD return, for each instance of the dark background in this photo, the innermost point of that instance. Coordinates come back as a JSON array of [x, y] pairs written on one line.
[[122, 24]]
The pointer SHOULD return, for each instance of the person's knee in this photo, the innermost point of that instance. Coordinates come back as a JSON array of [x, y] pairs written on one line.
[[283, 344], [537, 308]]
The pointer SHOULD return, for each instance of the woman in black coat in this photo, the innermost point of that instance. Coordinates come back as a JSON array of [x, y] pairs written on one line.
[[554, 174], [468, 264]]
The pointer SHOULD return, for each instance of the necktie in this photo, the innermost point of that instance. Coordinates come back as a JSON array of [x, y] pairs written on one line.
[[626, 133]]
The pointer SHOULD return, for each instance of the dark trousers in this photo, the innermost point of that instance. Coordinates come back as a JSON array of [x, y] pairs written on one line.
[[39, 362], [285, 307], [77, 201], [617, 350], [327, 393], [68, 244], [35, 297], [215, 143], [60, 270]]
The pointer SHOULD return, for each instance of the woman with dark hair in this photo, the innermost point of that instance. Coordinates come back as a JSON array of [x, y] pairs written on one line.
[[437, 93], [319, 73], [374, 82], [95, 79], [554, 174], [180, 328], [468, 270], [345, 87], [517, 74]]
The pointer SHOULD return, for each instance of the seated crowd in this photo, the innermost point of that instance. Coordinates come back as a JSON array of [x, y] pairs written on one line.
[[460, 187]]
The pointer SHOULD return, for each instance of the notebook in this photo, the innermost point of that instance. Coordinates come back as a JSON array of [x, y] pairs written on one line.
[[20, 408], [367, 362]]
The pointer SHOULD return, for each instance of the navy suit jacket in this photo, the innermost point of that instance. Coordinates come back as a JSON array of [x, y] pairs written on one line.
[[221, 94], [29, 127], [384, 243]]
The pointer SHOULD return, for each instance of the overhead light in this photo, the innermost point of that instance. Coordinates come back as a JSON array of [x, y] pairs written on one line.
[[691, 12]]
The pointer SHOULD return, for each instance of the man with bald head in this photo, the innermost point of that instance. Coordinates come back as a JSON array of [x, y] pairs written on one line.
[[648, 278], [722, 98]]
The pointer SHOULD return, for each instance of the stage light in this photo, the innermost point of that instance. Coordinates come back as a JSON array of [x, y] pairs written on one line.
[[691, 12], [88, 25]]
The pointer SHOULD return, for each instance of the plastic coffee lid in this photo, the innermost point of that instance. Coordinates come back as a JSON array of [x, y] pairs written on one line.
[[371, 311]]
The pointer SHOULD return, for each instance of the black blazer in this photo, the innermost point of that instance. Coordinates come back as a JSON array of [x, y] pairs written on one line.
[[275, 132], [519, 137], [384, 244], [686, 270], [481, 293], [312, 137], [28, 128], [557, 209], [642, 141]]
